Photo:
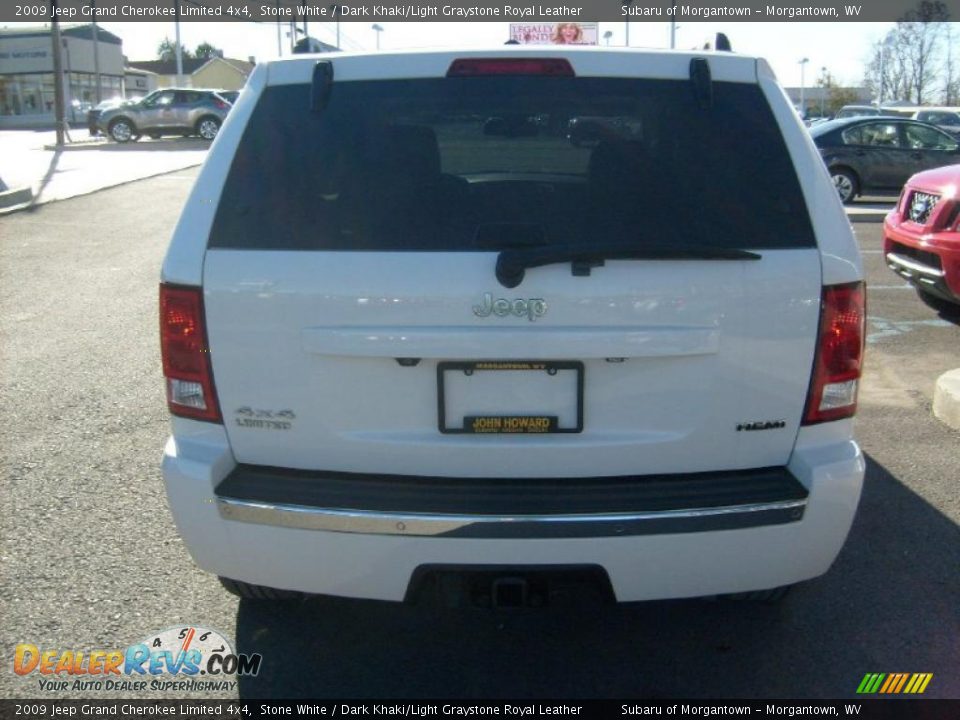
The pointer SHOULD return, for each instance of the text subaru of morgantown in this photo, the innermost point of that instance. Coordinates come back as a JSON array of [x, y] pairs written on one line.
[[410, 328]]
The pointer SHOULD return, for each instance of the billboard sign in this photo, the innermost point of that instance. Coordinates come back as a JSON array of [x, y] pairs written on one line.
[[554, 33]]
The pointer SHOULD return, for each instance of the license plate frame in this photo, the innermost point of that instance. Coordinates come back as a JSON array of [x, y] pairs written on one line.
[[473, 366]]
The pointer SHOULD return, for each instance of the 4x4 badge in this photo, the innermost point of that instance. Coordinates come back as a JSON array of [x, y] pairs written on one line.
[[531, 308]]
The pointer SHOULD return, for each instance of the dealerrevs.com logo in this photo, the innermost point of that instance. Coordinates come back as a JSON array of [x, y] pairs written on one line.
[[181, 658]]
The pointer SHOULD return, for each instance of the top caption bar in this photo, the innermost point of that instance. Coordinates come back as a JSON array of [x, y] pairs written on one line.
[[80, 11]]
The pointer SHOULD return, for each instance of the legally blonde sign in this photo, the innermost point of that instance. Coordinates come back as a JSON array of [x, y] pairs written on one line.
[[554, 33]]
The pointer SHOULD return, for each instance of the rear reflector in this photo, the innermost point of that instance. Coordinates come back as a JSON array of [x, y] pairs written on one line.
[[466, 67], [186, 355], [839, 359]]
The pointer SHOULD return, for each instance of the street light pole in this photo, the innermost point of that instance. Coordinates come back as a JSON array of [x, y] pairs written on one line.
[[607, 35], [279, 33], [823, 88], [673, 27], [178, 50], [377, 29], [57, 72], [803, 65], [96, 52], [626, 4]]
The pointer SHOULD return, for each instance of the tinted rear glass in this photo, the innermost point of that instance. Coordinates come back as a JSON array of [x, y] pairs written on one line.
[[479, 163]]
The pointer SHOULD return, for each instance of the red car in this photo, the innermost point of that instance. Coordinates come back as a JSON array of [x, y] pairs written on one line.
[[921, 235]]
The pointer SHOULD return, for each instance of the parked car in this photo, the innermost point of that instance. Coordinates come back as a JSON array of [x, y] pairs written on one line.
[[170, 111], [401, 347], [589, 131], [879, 154], [93, 115], [947, 119], [921, 235], [851, 111]]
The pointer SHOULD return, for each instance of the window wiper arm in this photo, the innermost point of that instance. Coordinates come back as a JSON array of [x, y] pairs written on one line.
[[512, 263]]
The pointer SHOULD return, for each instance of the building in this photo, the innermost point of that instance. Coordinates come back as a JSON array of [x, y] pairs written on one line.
[[215, 72], [137, 83], [816, 98], [26, 73]]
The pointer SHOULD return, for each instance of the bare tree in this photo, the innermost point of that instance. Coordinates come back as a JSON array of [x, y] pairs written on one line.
[[951, 85], [911, 56], [921, 32]]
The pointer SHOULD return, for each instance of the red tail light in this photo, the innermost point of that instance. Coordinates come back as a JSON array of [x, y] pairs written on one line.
[[467, 67], [222, 104], [839, 360], [186, 355]]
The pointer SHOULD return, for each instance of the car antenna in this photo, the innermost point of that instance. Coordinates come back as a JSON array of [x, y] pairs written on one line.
[[702, 83]]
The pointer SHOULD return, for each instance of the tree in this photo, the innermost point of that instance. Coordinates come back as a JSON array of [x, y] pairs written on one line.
[[911, 55], [167, 50], [921, 32], [205, 51]]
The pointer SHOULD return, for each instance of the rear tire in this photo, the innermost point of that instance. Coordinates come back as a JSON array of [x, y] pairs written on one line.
[[258, 592]]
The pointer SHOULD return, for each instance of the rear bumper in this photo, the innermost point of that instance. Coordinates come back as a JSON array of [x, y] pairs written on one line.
[[765, 529]]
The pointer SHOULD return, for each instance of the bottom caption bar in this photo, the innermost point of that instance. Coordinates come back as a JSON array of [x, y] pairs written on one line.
[[869, 709]]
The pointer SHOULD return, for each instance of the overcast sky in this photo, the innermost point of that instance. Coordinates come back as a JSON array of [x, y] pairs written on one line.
[[841, 47]]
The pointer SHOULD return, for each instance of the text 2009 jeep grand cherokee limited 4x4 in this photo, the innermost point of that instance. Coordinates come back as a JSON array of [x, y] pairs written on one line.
[[409, 327]]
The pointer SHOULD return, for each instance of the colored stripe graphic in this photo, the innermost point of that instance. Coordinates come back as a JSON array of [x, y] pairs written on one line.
[[894, 683], [903, 680]]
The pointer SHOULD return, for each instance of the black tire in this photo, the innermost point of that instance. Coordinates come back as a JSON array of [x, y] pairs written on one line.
[[846, 183], [122, 130], [258, 592], [942, 307], [207, 127], [155, 136], [768, 597]]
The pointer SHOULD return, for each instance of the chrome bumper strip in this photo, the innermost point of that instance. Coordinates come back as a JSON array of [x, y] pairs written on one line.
[[527, 526], [897, 262]]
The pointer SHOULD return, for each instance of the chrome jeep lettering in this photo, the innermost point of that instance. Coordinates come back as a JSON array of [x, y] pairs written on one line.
[[531, 308]]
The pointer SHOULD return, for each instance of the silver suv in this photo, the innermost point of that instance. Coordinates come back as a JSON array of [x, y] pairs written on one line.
[[170, 111]]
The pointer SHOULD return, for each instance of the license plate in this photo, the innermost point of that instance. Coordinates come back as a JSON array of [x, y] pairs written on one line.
[[492, 397]]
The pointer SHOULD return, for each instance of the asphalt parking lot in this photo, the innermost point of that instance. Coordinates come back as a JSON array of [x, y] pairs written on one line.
[[91, 559]]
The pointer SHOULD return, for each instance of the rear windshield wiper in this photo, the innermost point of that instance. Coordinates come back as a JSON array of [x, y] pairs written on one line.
[[513, 262]]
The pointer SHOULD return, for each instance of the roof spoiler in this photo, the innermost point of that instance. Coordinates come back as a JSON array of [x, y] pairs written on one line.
[[322, 83], [701, 82]]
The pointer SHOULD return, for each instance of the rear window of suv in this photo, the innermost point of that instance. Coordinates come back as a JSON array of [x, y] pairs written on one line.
[[478, 163]]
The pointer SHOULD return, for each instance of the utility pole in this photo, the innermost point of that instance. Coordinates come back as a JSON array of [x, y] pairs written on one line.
[[279, 34], [57, 73], [179, 49], [96, 52]]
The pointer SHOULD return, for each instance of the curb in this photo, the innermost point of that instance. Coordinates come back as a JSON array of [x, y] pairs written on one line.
[[91, 144], [946, 399], [36, 202], [867, 216]]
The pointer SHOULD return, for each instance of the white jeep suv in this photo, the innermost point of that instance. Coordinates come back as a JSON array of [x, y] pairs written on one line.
[[410, 328]]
